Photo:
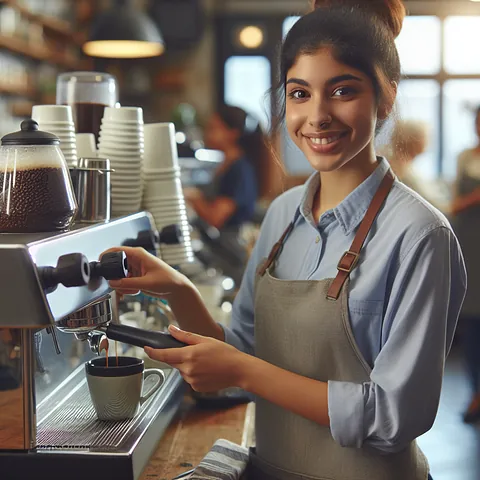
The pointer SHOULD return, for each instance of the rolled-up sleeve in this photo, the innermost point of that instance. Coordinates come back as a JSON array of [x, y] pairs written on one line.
[[400, 401]]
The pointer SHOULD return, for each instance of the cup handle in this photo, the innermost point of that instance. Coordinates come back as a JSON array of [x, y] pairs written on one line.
[[158, 383]]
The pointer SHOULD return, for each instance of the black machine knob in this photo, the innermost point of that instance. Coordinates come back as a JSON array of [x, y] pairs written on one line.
[[112, 266], [72, 270], [147, 239], [171, 235]]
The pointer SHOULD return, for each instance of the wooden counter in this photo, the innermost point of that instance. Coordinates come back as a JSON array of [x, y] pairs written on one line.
[[191, 436]]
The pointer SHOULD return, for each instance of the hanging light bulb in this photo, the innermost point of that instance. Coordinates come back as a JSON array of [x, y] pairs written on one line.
[[124, 32]]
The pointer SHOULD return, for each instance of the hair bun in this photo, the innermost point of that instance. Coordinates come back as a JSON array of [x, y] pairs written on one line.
[[391, 12]]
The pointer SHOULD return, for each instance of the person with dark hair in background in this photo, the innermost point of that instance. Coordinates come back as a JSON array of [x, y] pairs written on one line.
[[466, 211], [350, 300], [240, 180]]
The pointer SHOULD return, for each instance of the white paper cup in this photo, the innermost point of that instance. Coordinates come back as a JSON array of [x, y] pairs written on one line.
[[52, 113], [121, 135], [160, 146], [164, 189], [86, 145], [123, 114]]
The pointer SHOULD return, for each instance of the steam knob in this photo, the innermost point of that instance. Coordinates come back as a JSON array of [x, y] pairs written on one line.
[[72, 270], [171, 235], [112, 266], [147, 239]]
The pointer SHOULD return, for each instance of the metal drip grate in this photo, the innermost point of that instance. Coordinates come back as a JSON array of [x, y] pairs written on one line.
[[73, 425]]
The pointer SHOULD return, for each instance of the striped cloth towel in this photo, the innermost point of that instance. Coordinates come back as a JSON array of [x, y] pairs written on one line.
[[225, 461]]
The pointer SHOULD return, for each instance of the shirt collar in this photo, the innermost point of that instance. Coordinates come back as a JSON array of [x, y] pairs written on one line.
[[352, 209]]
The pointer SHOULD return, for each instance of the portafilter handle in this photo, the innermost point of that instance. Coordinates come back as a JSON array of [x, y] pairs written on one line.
[[139, 337]]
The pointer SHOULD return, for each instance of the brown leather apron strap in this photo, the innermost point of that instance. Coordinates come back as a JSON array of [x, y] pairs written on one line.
[[275, 250], [350, 258]]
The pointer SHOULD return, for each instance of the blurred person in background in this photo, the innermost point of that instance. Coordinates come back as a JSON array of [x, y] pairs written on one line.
[[466, 211], [409, 140], [229, 202]]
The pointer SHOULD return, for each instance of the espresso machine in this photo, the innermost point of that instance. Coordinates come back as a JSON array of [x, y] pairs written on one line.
[[56, 311]]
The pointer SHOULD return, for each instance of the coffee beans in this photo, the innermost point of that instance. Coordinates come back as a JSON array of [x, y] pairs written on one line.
[[35, 200]]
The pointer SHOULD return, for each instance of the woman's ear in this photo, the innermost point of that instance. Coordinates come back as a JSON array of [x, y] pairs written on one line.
[[388, 101]]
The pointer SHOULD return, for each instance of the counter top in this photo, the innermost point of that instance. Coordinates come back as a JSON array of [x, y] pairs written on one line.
[[191, 435]]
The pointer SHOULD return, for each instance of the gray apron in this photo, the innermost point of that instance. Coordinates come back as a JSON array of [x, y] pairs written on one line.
[[304, 327]]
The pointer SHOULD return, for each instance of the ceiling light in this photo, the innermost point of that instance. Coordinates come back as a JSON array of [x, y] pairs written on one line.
[[251, 37], [124, 32]]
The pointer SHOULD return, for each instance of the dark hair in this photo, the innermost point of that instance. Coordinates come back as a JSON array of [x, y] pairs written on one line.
[[356, 38], [252, 140], [392, 12]]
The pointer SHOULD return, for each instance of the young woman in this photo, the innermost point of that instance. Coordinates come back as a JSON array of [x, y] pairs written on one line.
[[240, 180], [350, 300], [466, 208]]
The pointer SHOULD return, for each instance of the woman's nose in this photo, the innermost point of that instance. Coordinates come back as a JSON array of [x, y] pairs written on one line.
[[319, 115]]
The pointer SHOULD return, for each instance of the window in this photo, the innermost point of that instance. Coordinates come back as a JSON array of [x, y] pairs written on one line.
[[419, 100], [420, 57], [242, 92], [462, 40], [288, 23], [460, 99]]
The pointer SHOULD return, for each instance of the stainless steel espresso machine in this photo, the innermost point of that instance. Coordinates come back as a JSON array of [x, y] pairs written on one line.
[[55, 310]]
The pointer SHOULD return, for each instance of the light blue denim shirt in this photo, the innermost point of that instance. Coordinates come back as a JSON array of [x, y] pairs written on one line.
[[405, 297]]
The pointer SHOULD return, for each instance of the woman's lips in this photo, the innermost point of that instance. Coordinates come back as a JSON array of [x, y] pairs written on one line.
[[325, 145]]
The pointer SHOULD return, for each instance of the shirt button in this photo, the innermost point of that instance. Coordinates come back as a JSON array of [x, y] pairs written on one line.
[[317, 240]]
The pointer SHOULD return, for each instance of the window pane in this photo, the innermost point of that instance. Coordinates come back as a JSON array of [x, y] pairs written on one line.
[[461, 97], [420, 57], [242, 92], [288, 23], [419, 100], [462, 37]]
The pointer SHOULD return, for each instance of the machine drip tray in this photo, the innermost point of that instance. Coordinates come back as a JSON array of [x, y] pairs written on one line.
[[73, 424], [73, 443]]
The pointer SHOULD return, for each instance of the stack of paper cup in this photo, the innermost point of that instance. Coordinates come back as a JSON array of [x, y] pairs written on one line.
[[122, 141], [58, 119], [163, 194]]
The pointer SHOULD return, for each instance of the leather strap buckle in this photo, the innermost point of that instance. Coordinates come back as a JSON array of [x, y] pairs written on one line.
[[348, 261]]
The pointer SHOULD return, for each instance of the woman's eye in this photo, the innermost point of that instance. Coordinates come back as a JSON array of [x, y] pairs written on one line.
[[343, 92], [298, 94]]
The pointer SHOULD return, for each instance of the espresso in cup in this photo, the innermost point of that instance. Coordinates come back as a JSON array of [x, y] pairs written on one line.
[[116, 391]]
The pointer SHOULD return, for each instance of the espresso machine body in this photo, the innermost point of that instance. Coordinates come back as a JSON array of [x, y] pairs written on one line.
[[46, 416]]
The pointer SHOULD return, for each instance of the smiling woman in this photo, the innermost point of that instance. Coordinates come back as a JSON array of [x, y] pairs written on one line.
[[350, 300]]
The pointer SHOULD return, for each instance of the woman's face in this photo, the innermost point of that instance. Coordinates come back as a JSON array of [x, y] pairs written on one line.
[[331, 110], [218, 135]]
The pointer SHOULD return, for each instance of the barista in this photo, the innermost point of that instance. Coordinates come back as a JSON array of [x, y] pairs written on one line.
[[350, 299]]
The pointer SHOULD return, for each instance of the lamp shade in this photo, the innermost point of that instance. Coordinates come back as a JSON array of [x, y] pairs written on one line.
[[124, 32]]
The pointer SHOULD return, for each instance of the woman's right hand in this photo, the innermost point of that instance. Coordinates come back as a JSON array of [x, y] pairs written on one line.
[[147, 274]]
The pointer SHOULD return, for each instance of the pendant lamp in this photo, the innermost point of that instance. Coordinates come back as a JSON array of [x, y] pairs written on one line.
[[124, 32]]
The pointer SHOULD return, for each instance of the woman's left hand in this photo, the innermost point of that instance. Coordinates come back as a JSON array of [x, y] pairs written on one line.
[[207, 364]]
